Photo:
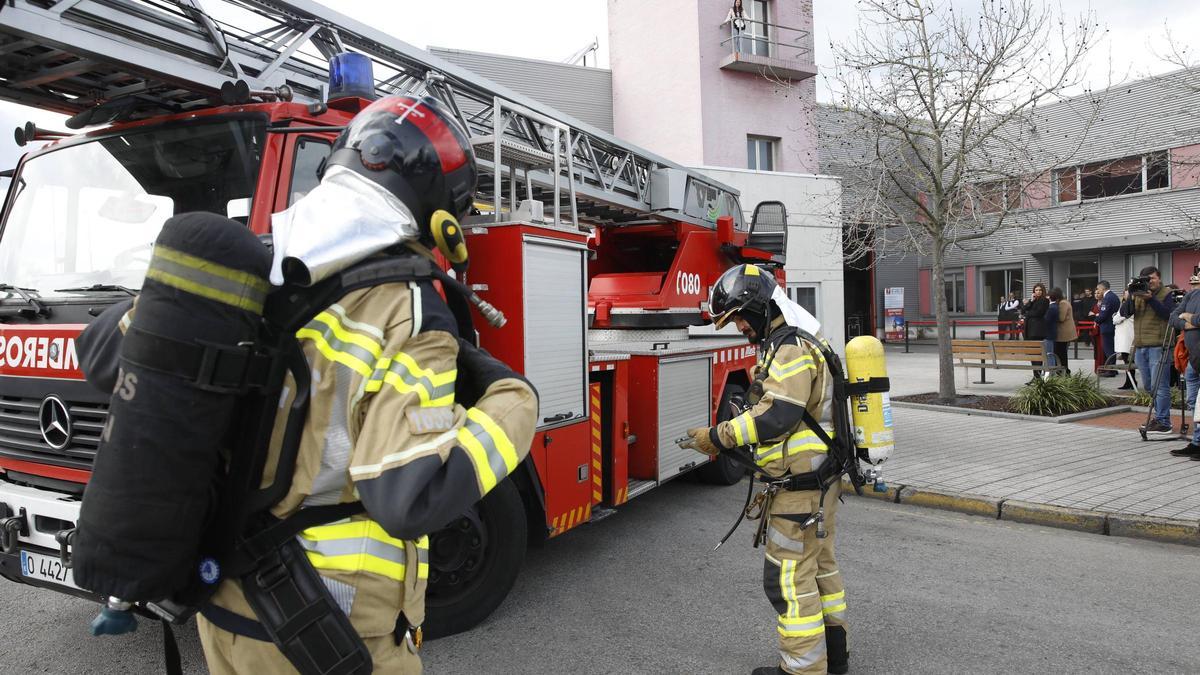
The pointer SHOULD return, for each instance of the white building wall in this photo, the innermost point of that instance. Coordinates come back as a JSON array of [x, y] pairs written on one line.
[[654, 56], [814, 249]]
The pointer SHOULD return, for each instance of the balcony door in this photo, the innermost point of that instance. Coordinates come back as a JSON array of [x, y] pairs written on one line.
[[758, 28]]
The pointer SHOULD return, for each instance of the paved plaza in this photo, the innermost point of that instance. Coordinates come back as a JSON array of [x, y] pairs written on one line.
[[1094, 465]]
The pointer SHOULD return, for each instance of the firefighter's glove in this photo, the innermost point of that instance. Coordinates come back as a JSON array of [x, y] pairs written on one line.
[[478, 370], [701, 440]]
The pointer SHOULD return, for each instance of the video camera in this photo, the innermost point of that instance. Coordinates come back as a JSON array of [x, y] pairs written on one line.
[[1138, 285]]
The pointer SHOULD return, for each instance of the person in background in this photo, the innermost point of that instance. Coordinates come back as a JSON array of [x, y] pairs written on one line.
[[1060, 328], [1009, 315], [737, 17], [1123, 346], [1082, 307], [1186, 319], [1035, 317], [1151, 309], [1107, 304], [1170, 351]]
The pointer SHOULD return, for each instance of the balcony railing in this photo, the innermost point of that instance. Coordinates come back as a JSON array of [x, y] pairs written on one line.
[[769, 49]]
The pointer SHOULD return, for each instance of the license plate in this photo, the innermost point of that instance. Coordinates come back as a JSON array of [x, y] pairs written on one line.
[[46, 568]]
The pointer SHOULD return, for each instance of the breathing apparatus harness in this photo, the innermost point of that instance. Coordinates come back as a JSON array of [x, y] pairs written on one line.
[[842, 454], [293, 606]]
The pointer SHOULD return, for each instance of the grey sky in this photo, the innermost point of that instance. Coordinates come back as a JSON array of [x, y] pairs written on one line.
[[555, 29]]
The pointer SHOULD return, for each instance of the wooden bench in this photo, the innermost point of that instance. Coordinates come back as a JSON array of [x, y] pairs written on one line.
[[1001, 355]]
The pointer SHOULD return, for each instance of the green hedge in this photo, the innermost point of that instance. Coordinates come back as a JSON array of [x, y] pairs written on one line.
[[1059, 395]]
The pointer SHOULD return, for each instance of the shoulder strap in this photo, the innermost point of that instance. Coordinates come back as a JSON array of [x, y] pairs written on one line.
[[291, 307], [275, 533], [841, 446]]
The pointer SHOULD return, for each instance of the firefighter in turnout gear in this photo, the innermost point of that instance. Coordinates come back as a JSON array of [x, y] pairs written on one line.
[[405, 414], [800, 572]]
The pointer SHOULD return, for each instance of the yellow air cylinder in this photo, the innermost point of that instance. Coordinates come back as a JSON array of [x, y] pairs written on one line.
[[871, 411]]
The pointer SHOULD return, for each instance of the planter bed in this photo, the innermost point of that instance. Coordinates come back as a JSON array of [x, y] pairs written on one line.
[[998, 406]]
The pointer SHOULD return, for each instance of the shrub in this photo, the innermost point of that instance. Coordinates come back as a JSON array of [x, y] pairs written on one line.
[[1058, 395]]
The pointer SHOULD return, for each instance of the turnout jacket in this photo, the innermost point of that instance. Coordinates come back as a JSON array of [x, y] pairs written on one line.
[[796, 379], [386, 426]]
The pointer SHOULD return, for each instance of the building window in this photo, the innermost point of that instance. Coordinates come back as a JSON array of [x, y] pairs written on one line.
[[805, 296], [996, 284], [760, 153], [1082, 274], [1066, 184], [1136, 262], [1000, 195], [1158, 171], [955, 286], [758, 27], [1112, 178]]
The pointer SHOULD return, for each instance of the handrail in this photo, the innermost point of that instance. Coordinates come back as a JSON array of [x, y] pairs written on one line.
[[770, 41]]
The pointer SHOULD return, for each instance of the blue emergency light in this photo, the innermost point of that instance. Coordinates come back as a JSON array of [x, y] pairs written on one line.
[[350, 74]]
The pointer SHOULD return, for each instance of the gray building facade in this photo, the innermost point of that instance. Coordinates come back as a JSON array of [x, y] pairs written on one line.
[[583, 92], [1122, 193]]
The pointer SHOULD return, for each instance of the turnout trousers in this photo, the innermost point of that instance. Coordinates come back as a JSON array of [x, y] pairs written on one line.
[[803, 583], [231, 654]]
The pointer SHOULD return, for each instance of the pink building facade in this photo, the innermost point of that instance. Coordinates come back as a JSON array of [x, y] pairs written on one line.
[[686, 88]]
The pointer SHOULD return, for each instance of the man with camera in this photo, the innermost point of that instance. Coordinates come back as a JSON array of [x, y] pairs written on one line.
[[1150, 304]]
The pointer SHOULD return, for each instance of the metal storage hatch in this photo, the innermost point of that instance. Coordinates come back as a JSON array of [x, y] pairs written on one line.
[[684, 387], [555, 352]]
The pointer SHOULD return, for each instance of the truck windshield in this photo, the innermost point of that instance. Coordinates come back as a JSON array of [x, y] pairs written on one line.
[[89, 213]]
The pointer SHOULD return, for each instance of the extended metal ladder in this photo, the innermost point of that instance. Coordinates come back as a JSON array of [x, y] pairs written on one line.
[[175, 55]]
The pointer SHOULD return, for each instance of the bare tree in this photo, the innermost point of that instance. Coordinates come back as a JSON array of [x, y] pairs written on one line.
[[944, 102]]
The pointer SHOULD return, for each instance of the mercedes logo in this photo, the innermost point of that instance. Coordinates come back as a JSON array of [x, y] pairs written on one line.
[[55, 421]]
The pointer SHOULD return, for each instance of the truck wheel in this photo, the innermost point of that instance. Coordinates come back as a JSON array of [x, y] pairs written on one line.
[[722, 470], [474, 561]]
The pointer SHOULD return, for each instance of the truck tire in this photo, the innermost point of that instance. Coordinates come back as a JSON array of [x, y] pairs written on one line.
[[722, 470], [474, 562]]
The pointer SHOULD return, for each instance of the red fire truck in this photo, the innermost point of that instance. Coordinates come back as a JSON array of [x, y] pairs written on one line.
[[599, 253]]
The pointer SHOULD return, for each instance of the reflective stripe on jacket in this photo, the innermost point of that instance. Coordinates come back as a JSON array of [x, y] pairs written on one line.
[[384, 427], [797, 379]]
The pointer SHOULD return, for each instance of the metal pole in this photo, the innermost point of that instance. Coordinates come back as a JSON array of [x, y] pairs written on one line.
[[906, 338], [953, 329], [571, 179], [557, 178], [982, 374], [497, 117]]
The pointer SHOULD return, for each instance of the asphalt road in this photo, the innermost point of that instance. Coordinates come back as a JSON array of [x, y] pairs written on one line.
[[641, 592]]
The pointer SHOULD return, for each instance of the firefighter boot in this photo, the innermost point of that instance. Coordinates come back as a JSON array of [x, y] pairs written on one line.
[[837, 653]]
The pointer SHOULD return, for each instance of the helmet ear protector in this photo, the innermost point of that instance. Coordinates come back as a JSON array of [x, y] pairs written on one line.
[[448, 235]]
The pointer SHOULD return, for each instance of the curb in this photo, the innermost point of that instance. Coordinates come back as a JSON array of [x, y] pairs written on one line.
[[1062, 419], [1090, 414], [1152, 528], [1054, 516], [949, 501], [1158, 529]]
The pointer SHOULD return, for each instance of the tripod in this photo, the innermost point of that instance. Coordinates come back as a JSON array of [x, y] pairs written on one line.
[[1161, 371]]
